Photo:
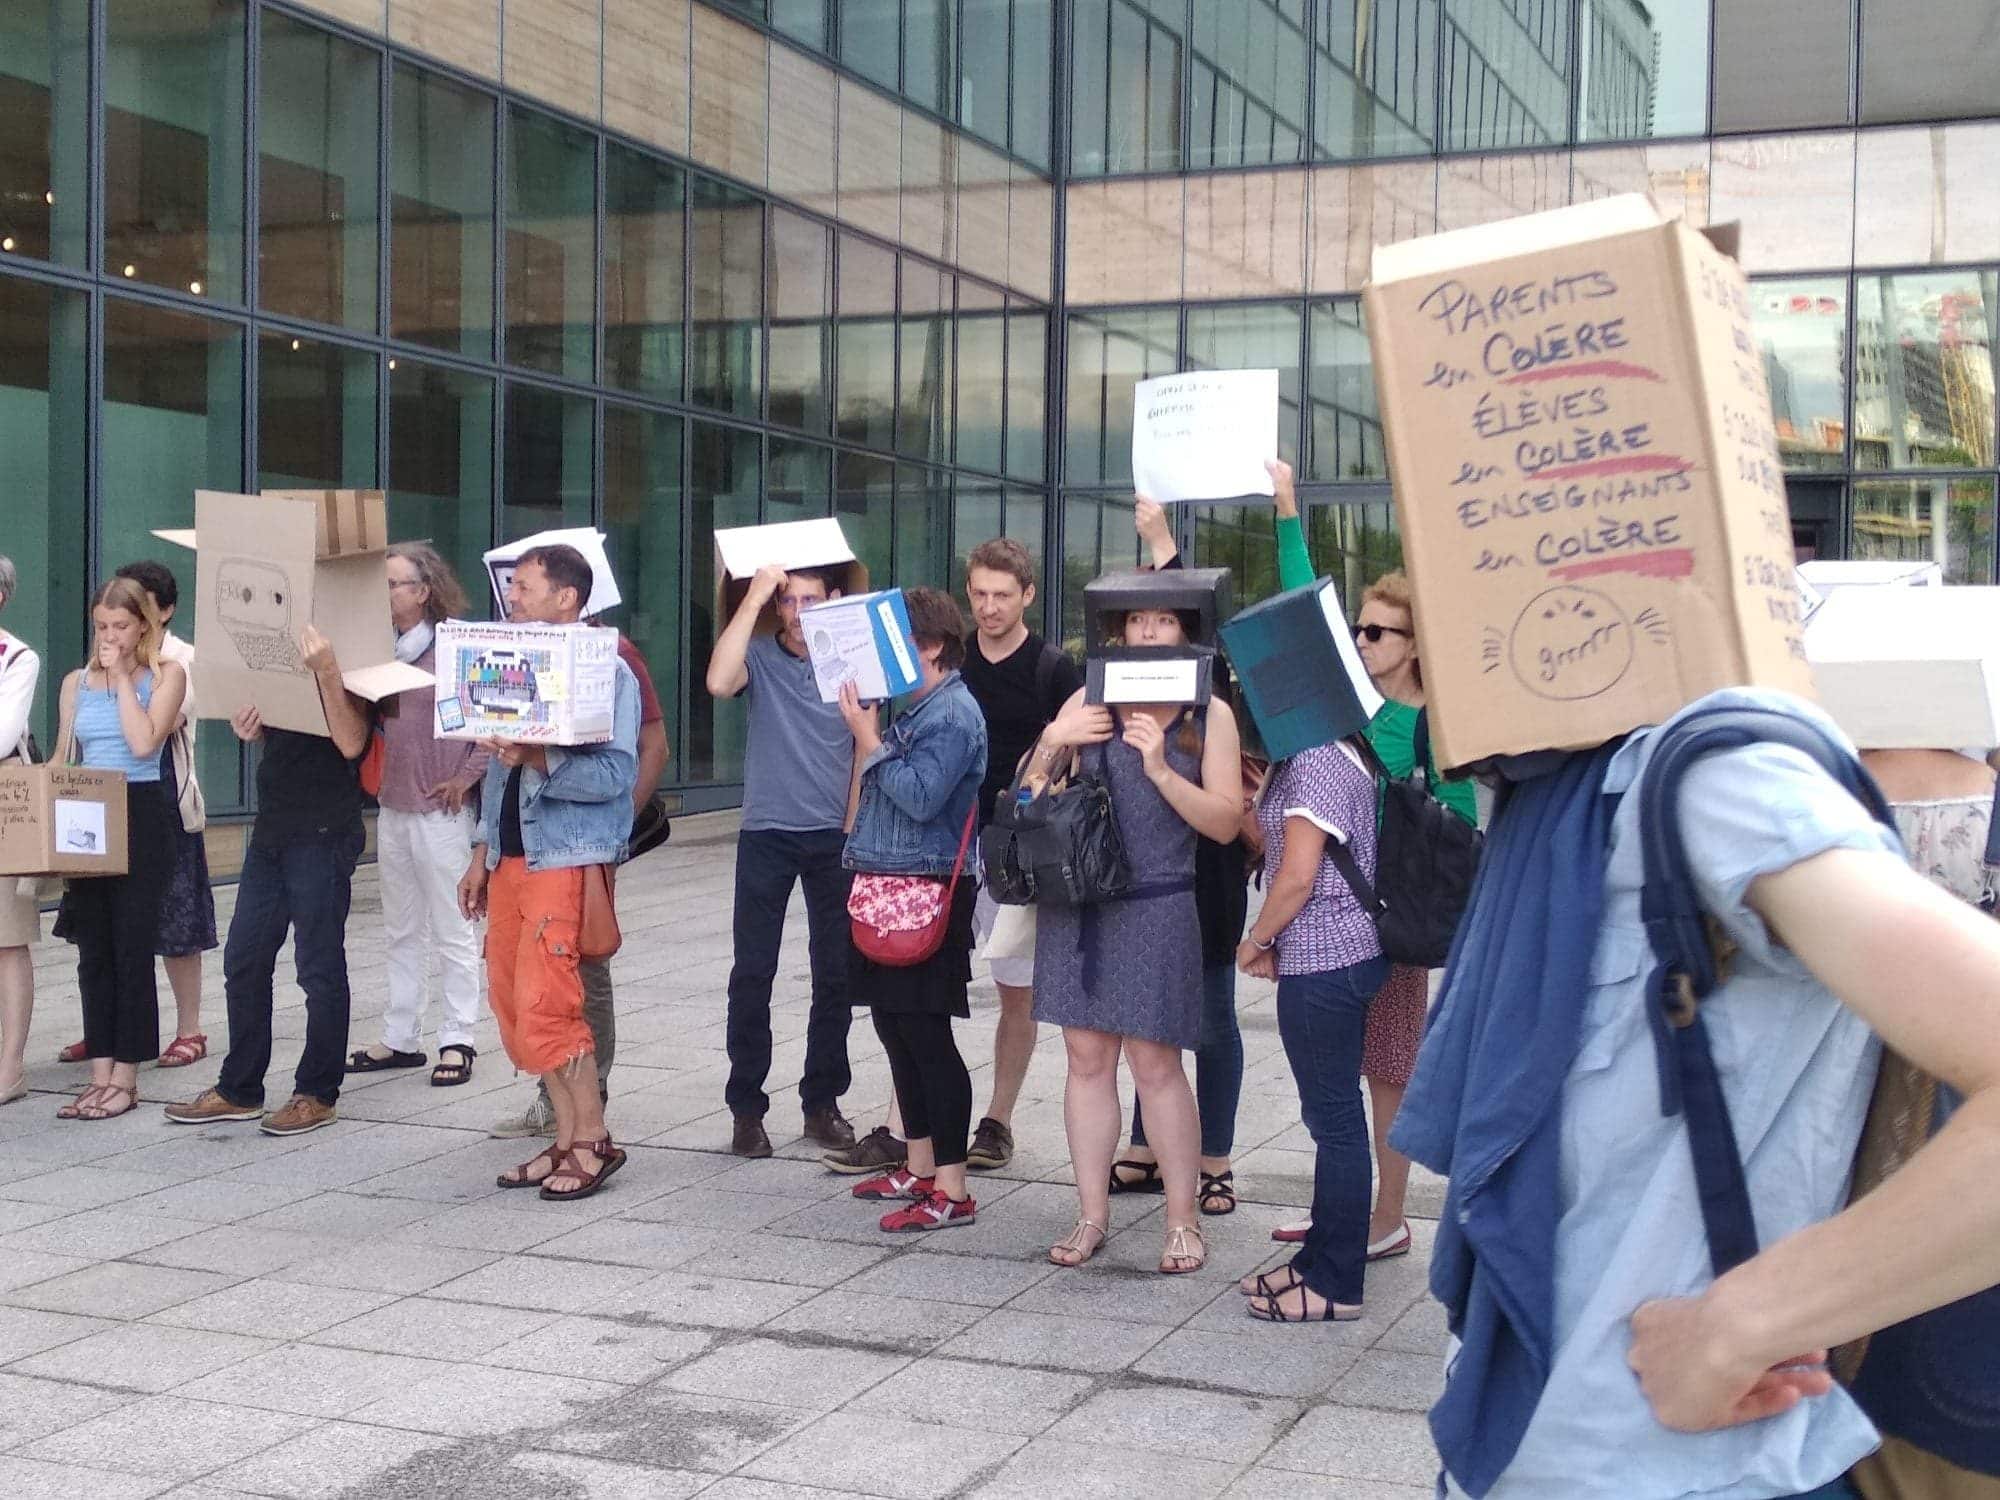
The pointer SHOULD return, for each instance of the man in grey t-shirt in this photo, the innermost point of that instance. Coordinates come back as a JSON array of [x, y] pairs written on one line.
[[798, 777]]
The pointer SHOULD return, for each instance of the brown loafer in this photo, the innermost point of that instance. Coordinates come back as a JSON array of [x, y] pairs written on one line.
[[828, 1129], [750, 1139]]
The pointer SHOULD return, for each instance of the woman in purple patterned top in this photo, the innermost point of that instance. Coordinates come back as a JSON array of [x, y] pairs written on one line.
[[1313, 937]]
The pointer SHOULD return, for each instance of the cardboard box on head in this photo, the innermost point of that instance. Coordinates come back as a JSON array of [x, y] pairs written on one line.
[[268, 565], [61, 820], [1586, 476], [1300, 675], [1905, 666], [604, 593], [1201, 592], [741, 550]]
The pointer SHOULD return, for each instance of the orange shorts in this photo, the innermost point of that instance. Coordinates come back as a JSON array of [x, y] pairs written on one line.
[[531, 977]]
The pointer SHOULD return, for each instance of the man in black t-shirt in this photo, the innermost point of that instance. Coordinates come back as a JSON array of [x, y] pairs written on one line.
[[297, 873]]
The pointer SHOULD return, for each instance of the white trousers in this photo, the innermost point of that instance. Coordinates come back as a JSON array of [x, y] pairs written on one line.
[[420, 858]]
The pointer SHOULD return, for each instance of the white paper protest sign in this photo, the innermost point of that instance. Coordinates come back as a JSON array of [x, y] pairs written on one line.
[[1205, 435]]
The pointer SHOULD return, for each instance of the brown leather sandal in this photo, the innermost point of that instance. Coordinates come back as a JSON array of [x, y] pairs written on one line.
[[94, 1104], [518, 1177], [184, 1050], [609, 1160]]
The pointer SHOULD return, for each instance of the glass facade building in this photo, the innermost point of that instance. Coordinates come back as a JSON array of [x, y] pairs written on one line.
[[671, 265]]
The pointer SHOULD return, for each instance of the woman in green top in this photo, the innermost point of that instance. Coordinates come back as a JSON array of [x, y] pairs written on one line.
[[1385, 635]]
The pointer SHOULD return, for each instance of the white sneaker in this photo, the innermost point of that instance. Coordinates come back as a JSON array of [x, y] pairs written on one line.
[[539, 1118]]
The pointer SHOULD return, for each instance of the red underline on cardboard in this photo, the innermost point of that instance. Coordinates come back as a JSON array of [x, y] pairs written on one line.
[[1674, 562], [1630, 463], [1616, 369]]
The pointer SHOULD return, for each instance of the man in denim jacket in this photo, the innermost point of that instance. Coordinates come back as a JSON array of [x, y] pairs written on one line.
[[547, 812]]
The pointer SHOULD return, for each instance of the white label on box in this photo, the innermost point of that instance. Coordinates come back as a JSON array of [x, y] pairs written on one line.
[[1205, 435], [893, 633], [1150, 681], [80, 828], [1365, 691]]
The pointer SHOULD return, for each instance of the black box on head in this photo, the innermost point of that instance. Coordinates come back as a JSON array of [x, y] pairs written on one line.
[[1199, 594]]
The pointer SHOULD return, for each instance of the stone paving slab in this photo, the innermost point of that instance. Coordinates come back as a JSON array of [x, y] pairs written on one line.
[[206, 1313]]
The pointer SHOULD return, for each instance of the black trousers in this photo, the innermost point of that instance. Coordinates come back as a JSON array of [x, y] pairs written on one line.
[[931, 1081], [113, 920]]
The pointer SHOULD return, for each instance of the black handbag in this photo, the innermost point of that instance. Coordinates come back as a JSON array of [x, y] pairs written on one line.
[[651, 827], [1059, 847]]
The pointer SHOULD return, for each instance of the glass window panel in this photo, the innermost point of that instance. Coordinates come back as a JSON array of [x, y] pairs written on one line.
[[547, 477], [804, 20], [1507, 74], [923, 527], [315, 414], [1127, 79], [1929, 62], [551, 245], [1241, 539], [1923, 371], [1027, 390], [927, 53], [868, 38], [863, 504], [1253, 338], [173, 144], [1643, 69], [982, 358], [976, 510], [1246, 83], [923, 406], [43, 337], [724, 468], [1354, 544], [1026, 522], [441, 214], [1782, 63], [1899, 520], [799, 295], [1801, 332], [727, 261], [1098, 535], [644, 261], [982, 82], [1109, 353], [799, 482], [172, 424], [1344, 428], [441, 466], [44, 115], [865, 344], [642, 519], [1090, 88], [1034, 92], [1375, 78], [318, 129]]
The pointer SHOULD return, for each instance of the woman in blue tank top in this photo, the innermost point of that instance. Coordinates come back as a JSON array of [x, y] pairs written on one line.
[[118, 711]]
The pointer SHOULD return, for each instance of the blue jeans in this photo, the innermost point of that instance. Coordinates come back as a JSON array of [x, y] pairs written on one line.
[[1218, 1065], [1322, 1019], [304, 886]]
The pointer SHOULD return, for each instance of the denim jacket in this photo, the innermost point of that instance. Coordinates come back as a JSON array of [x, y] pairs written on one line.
[[918, 785], [580, 812]]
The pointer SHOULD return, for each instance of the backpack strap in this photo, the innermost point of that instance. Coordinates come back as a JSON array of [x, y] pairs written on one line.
[[1046, 667], [1689, 966], [1420, 742]]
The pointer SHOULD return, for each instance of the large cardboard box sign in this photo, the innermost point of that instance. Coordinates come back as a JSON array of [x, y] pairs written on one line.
[[262, 574], [604, 593], [1586, 475], [864, 639], [1910, 668], [61, 820], [741, 550], [538, 684], [1298, 671], [1202, 592]]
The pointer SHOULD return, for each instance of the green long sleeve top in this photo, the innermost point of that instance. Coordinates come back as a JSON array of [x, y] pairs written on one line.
[[1393, 730]]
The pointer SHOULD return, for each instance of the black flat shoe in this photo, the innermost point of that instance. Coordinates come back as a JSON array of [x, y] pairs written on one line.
[[364, 1061], [1148, 1180]]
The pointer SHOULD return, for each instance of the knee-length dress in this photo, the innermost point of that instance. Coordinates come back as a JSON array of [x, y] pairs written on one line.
[[1144, 966]]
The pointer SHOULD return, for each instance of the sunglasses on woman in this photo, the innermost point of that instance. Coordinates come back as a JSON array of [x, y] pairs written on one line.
[[1373, 634]]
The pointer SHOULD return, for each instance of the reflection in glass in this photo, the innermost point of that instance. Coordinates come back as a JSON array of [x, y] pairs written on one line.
[[173, 144], [43, 336], [868, 38], [642, 518], [44, 114], [1898, 519], [1643, 69], [804, 20], [923, 380], [982, 82], [1109, 353], [1247, 83], [441, 214], [1923, 370], [1126, 86], [928, 53], [1801, 332], [551, 245], [865, 344], [1354, 544], [1253, 337], [798, 482], [1026, 522], [726, 257], [1240, 538], [799, 294], [1344, 426], [1375, 78], [172, 424], [724, 470], [1506, 74], [982, 365], [318, 130], [441, 465], [1027, 386], [1098, 535], [548, 466], [923, 527], [1033, 72], [315, 415], [644, 245], [862, 503]]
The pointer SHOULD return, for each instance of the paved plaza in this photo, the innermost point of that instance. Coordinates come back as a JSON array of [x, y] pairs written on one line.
[[200, 1312]]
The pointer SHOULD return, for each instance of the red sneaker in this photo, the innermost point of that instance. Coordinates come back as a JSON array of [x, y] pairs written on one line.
[[895, 1183], [932, 1210]]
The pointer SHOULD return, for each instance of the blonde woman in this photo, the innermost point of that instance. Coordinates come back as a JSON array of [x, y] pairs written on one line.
[[117, 712], [20, 920]]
